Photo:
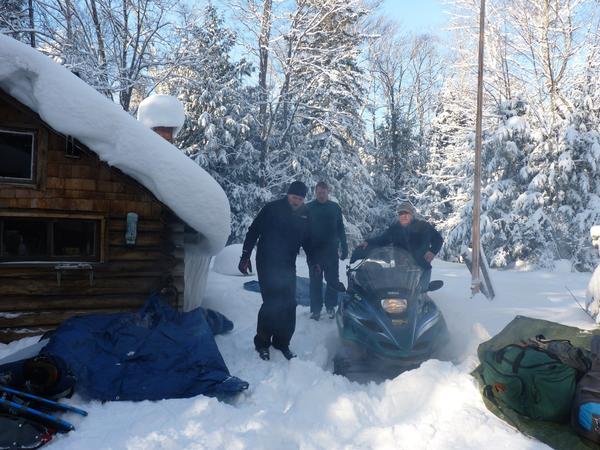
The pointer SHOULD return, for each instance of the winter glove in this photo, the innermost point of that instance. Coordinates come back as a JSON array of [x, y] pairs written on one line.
[[429, 256], [245, 266], [317, 269], [344, 254]]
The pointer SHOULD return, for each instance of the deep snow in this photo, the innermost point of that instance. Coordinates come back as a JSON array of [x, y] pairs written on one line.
[[162, 110], [301, 405], [72, 107]]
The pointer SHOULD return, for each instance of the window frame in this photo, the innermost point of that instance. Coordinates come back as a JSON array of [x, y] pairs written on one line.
[[50, 219], [34, 155]]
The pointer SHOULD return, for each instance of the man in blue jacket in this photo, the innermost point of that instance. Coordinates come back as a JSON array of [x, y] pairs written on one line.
[[416, 236], [281, 228], [327, 237]]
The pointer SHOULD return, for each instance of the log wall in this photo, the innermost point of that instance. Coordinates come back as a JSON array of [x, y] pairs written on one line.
[[31, 298]]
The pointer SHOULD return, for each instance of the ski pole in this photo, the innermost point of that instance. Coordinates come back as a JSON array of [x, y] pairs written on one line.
[[56, 405], [62, 425]]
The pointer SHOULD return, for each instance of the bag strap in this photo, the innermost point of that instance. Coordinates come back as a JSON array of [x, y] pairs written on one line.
[[517, 362], [499, 354]]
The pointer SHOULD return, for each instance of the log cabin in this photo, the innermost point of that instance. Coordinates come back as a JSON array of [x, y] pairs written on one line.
[[79, 235]]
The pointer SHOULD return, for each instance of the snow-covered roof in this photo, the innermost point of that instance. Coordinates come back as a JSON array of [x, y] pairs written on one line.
[[162, 111], [70, 106]]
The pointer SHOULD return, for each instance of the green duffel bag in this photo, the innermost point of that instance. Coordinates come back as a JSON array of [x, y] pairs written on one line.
[[529, 381]]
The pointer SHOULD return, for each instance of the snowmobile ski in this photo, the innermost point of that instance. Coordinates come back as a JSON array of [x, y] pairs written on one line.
[[46, 402]]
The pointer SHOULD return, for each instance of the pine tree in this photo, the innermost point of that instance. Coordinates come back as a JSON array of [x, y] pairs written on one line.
[[320, 125], [578, 173], [220, 129], [13, 19], [445, 182]]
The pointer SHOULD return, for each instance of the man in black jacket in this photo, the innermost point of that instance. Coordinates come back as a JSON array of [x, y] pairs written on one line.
[[327, 234], [419, 237], [280, 227]]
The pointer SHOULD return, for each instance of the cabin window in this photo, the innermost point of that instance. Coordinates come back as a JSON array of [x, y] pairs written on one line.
[[49, 239], [17, 156]]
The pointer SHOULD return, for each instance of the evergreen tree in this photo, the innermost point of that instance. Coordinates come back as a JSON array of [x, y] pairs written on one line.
[[220, 129], [320, 124], [445, 182], [13, 19], [578, 174]]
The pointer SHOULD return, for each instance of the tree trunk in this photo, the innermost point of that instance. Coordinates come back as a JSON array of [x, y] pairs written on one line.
[[263, 60], [101, 49], [31, 25]]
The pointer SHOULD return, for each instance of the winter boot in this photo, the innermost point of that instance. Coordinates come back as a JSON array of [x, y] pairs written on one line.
[[331, 313], [287, 353], [263, 353], [315, 316], [340, 287]]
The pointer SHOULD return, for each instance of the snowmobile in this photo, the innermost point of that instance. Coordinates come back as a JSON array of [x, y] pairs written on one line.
[[386, 323]]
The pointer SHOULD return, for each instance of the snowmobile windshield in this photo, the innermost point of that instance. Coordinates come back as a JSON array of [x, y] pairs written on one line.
[[388, 269]]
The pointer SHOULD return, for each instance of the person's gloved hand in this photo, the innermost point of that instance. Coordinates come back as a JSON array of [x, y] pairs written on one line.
[[245, 266], [344, 254], [317, 269], [429, 256]]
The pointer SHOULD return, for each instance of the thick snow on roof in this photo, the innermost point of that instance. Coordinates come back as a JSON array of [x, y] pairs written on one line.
[[162, 111], [72, 107]]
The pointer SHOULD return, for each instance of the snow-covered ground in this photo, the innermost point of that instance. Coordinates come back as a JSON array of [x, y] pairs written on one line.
[[300, 404]]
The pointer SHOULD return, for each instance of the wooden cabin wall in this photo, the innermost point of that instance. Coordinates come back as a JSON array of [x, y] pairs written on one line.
[[31, 299]]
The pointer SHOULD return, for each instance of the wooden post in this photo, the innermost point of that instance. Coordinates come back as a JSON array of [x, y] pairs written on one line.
[[475, 281]]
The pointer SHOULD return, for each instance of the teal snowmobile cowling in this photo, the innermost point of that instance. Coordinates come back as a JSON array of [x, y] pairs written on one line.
[[385, 322]]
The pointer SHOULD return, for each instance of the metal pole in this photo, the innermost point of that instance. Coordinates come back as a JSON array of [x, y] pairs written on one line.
[[475, 281]]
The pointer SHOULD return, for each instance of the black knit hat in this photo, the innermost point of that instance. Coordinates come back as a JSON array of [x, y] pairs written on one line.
[[298, 188]]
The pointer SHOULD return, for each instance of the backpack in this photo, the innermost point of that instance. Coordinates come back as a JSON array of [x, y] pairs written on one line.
[[585, 415], [529, 381]]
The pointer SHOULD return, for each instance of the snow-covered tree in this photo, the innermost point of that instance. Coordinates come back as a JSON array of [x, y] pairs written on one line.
[[114, 45], [310, 113], [405, 73], [444, 184], [326, 94], [13, 19], [221, 131]]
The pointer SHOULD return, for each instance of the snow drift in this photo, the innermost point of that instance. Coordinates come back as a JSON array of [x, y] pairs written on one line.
[[71, 107]]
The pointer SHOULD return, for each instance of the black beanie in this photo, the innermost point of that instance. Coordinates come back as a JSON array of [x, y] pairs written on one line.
[[298, 188]]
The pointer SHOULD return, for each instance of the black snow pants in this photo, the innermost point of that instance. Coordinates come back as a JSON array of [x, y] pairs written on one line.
[[277, 315], [329, 265]]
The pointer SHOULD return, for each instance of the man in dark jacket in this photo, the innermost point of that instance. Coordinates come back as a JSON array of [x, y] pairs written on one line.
[[327, 234], [419, 237], [280, 227]]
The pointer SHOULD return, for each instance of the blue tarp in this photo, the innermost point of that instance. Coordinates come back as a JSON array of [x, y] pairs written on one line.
[[302, 289], [152, 354], [217, 322]]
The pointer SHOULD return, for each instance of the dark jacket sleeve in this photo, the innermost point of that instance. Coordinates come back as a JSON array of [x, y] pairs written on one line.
[[436, 240], [341, 231], [254, 232], [382, 239], [305, 240]]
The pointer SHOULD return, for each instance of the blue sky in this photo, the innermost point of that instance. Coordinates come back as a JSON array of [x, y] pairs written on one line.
[[417, 15]]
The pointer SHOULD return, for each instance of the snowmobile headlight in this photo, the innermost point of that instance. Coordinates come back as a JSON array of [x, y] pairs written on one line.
[[394, 305]]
